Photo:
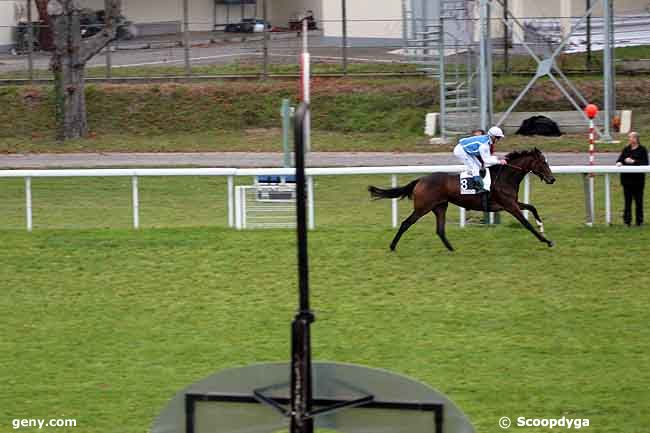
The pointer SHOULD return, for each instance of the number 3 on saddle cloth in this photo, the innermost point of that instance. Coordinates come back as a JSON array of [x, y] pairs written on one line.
[[467, 186]]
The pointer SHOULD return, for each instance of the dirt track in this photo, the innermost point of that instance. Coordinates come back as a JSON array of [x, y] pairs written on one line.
[[244, 159]]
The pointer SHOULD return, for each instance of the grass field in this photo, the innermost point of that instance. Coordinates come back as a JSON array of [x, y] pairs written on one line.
[[104, 324]]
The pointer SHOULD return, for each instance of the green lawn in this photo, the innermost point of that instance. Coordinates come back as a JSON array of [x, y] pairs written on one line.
[[270, 140], [352, 114], [105, 324]]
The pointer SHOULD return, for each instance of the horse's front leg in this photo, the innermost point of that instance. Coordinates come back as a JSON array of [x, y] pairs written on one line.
[[513, 209], [533, 210]]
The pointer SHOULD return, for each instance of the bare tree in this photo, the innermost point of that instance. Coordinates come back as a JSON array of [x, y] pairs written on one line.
[[69, 59]]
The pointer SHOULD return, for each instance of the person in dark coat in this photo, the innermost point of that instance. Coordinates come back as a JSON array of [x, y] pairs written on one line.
[[633, 183]]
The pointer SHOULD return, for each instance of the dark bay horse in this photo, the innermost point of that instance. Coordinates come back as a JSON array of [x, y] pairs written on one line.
[[434, 192]]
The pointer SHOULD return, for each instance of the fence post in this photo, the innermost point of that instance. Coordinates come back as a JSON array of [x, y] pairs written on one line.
[[442, 120], [30, 42], [186, 37], [394, 202], [238, 206], [589, 199], [344, 39], [243, 208], [28, 202], [266, 37], [109, 61], [463, 217], [231, 210], [136, 202], [310, 202], [608, 200]]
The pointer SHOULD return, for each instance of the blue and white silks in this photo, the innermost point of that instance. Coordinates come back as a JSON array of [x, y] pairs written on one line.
[[469, 148]]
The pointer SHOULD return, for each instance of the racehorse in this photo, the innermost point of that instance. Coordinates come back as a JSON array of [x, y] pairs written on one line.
[[434, 192]]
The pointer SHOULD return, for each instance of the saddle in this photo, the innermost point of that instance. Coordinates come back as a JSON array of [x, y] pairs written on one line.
[[469, 187]]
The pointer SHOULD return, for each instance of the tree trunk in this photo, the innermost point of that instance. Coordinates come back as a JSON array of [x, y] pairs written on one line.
[[68, 68], [69, 59]]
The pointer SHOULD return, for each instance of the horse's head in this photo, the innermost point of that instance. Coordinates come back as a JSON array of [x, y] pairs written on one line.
[[532, 161]]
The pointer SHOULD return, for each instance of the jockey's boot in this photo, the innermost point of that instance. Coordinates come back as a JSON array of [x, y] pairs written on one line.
[[479, 185]]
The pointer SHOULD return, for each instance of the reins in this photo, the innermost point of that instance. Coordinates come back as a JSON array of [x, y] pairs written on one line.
[[510, 165], [517, 167]]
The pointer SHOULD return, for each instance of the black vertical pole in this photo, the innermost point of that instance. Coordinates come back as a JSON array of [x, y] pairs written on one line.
[[265, 11], [301, 384], [506, 38], [186, 37], [588, 6], [344, 28]]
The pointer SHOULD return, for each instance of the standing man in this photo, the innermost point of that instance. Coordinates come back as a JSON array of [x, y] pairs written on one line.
[[633, 183]]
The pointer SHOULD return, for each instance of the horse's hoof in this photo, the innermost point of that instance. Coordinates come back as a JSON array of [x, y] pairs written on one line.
[[392, 249], [551, 244]]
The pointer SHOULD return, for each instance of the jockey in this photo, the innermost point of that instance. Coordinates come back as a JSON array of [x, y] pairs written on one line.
[[476, 152]]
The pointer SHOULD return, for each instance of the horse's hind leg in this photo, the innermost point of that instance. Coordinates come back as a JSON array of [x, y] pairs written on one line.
[[441, 213], [533, 210], [408, 222]]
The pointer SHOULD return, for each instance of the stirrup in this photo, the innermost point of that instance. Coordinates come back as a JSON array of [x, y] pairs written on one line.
[[485, 200]]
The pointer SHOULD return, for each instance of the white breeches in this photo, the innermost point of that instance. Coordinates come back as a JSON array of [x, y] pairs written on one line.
[[472, 164]]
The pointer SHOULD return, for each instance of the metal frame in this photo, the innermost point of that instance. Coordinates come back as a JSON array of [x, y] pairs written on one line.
[[547, 66], [331, 405]]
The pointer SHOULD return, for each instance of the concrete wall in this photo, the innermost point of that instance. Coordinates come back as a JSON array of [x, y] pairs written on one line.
[[386, 20], [621, 7], [11, 12], [391, 9], [7, 21]]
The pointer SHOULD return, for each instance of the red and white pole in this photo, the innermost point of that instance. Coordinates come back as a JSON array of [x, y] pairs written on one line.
[[591, 111]]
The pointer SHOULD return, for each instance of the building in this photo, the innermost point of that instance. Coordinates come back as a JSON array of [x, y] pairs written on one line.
[[366, 19], [165, 16], [380, 19]]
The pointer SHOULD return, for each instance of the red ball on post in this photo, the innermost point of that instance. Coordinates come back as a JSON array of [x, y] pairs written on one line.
[[591, 111]]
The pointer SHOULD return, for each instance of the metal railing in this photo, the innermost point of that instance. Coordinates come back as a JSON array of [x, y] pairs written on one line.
[[231, 173]]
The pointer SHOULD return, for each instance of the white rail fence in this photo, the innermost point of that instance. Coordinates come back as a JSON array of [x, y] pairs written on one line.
[[231, 173]]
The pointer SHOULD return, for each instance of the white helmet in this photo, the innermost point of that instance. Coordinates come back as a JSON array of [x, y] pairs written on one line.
[[495, 131]]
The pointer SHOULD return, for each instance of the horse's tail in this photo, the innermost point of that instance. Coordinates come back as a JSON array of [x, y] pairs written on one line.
[[399, 192]]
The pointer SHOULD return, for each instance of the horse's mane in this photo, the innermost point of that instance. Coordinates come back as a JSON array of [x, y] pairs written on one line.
[[521, 153]]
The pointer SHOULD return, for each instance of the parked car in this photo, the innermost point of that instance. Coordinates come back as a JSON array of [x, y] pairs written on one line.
[[92, 22], [248, 25]]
